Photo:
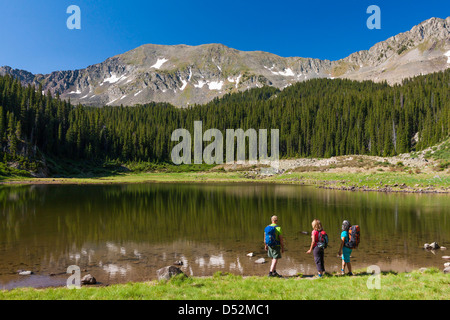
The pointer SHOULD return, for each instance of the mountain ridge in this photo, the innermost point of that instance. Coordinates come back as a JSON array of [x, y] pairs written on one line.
[[184, 75]]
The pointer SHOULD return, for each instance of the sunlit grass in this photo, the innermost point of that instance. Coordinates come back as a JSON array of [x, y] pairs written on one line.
[[431, 285], [372, 180]]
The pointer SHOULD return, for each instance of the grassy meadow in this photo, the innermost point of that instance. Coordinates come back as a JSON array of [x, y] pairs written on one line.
[[431, 284]]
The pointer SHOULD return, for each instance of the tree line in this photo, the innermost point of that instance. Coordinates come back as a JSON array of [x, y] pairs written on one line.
[[316, 118]]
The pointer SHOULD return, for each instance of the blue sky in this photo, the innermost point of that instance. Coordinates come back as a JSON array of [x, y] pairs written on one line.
[[34, 35]]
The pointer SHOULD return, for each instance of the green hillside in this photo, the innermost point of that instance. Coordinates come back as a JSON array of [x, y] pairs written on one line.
[[316, 118]]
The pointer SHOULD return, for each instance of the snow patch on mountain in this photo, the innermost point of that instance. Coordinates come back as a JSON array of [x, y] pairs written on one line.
[[114, 78], [159, 63], [215, 85], [286, 73], [235, 80], [447, 54], [200, 84], [109, 103], [184, 84]]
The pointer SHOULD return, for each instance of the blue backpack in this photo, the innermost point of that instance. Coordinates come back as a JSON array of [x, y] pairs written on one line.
[[271, 238]]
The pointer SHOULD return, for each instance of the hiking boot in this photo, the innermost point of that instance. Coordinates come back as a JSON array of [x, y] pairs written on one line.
[[350, 274], [270, 274], [275, 274]]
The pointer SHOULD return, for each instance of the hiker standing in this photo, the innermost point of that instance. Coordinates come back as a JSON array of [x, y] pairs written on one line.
[[318, 243], [344, 250], [273, 244]]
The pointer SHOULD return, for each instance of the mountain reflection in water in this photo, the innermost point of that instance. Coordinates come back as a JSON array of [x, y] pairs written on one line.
[[122, 233]]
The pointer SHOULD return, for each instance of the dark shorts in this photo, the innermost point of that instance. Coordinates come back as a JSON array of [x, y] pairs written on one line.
[[274, 252], [318, 258]]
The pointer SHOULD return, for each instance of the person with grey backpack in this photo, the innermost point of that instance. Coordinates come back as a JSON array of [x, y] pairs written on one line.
[[350, 238]]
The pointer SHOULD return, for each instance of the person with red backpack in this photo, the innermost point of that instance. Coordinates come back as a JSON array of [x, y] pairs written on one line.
[[319, 241]]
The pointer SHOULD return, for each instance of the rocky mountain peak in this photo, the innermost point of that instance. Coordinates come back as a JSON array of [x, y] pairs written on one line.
[[184, 75]]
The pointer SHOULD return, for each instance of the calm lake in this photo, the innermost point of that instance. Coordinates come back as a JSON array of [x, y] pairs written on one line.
[[122, 233]]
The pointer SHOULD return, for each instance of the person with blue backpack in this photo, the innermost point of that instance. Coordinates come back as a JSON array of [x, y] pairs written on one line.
[[273, 244], [319, 241]]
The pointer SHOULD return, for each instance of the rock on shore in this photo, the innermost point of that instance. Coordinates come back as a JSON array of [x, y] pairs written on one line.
[[168, 272], [88, 279]]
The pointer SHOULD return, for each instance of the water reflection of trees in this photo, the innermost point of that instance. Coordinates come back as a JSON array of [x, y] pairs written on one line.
[[53, 219]]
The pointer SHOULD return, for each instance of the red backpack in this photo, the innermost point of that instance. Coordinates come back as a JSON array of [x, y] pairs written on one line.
[[322, 239]]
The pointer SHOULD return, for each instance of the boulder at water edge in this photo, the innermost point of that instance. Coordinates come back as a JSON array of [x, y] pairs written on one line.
[[260, 260], [168, 272], [88, 279]]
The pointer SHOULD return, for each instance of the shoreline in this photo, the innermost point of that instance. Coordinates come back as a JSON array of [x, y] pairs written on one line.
[[387, 182], [422, 172]]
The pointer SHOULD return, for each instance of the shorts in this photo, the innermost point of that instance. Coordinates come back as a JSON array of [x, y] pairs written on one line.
[[346, 252], [274, 252]]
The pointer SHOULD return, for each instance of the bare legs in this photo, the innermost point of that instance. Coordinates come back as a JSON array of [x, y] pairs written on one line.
[[349, 266], [273, 267]]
